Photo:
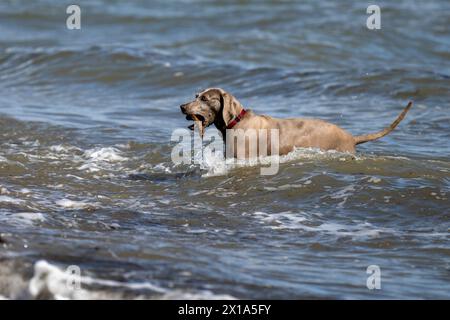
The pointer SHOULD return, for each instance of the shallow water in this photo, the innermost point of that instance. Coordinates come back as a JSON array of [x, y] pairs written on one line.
[[86, 176]]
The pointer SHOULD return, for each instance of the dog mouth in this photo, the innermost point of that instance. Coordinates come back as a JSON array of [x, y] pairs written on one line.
[[200, 120]]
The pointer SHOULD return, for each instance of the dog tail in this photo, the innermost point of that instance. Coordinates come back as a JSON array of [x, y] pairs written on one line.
[[373, 136]]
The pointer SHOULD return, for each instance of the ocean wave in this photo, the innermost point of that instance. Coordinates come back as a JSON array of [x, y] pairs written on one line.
[[305, 222], [317, 222], [215, 164], [70, 204], [104, 154], [51, 282], [10, 200], [22, 219]]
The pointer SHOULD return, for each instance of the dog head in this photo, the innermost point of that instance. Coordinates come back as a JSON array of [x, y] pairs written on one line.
[[213, 105]]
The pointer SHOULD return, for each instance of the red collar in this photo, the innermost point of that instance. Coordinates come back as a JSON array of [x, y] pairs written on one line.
[[237, 119]]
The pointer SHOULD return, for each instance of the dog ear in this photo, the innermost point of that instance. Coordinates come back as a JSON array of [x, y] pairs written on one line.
[[230, 107], [226, 102]]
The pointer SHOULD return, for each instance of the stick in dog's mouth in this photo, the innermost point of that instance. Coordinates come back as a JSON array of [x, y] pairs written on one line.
[[201, 126]]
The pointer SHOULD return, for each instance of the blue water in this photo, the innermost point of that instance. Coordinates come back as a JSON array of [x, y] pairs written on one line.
[[86, 176]]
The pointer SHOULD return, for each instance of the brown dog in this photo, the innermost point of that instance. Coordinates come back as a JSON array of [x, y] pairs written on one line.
[[214, 105]]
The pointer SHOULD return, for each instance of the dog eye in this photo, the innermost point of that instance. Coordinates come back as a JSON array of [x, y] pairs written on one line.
[[204, 98]]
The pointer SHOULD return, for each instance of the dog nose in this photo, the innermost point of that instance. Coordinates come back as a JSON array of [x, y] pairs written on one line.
[[183, 108]]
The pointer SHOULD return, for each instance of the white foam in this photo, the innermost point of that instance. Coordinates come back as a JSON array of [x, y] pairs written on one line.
[[60, 148], [74, 176], [7, 199], [66, 203], [21, 219], [298, 221], [202, 295], [3, 190], [50, 280], [108, 154], [30, 216], [25, 191], [344, 193], [286, 187], [106, 158], [374, 180], [91, 167], [215, 164], [159, 167]]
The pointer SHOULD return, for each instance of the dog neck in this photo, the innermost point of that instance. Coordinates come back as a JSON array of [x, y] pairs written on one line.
[[237, 117]]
